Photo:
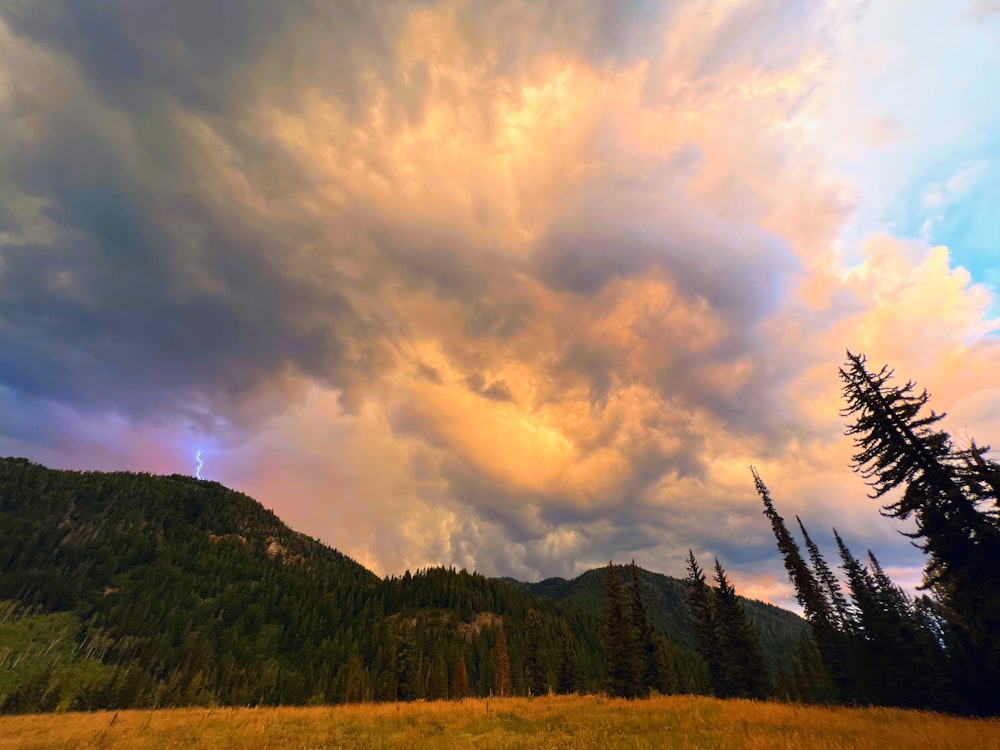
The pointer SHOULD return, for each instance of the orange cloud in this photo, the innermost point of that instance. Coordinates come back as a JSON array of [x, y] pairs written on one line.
[[500, 285]]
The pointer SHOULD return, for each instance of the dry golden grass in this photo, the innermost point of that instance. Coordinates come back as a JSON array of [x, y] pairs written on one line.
[[550, 722]]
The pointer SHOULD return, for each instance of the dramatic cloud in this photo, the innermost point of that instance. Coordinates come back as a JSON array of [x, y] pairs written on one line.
[[516, 286]]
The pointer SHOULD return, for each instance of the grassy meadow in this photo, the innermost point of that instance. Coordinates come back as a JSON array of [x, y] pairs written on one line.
[[549, 722]]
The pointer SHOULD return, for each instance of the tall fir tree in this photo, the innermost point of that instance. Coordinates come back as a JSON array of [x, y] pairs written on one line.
[[744, 670], [567, 672], [650, 677], [866, 628], [952, 495], [903, 661], [622, 668], [807, 588], [700, 601], [409, 685], [836, 602], [808, 592], [535, 671]]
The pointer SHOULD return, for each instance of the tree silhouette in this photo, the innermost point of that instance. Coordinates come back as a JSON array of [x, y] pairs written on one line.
[[619, 639], [701, 603], [952, 494], [647, 639], [744, 671]]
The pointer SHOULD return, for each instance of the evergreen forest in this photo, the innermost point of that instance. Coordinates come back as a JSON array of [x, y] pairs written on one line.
[[132, 590]]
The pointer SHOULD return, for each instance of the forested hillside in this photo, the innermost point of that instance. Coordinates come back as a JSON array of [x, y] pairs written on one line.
[[134, 590], [665, 598]]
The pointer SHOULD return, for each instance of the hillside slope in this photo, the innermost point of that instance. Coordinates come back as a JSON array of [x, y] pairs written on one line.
[[122, 589], [776, 628]]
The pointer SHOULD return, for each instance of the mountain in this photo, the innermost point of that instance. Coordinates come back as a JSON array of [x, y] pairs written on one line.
[[775, 627], [123, 589]]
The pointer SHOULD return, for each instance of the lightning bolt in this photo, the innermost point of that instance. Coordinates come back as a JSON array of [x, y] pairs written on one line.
[[197, 457]]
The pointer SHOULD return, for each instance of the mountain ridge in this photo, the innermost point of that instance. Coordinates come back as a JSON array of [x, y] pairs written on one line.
[[183, 591]]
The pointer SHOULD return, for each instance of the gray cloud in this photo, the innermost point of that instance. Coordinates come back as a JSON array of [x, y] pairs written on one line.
[[603, 31], [147, 295], [739, 272], [213, 55], [616, 230], [165, 253]]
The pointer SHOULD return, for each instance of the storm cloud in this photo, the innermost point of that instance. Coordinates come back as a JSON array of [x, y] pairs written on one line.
[[517, 286]]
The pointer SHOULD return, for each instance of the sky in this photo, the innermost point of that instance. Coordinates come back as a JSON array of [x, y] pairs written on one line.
[[515, 286]]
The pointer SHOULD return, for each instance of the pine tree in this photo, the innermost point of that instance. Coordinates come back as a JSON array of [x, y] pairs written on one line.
[[902, 657], [807, 589], [701, 604], [744, 670], [836, 602], [979, 476], [811, 681], [808, 592], [646, 635], [619, 639], [407, 666], [502, 684], [918, 663], [953, 496], [567, 675], [535, 672]]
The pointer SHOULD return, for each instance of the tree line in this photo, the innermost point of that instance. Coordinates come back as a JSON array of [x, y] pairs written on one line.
[[871, 643], [171, 591]]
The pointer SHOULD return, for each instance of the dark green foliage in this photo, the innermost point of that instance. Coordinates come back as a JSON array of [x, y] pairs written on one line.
[[701, 604], [835, 601], [744, 671], [437, 681], [652, 662], [778, 630], [810, 680], [900, 655], [184, 592], [407, 662], [357, 688], [619, 640], [725, 639], [952, 495], [173, 591], [816, 605], [943, 650], [807, 588], [878, 649], [567, 672], [535, 671]]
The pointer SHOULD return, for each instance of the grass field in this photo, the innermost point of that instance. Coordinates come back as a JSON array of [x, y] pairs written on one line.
[[550, 722]]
